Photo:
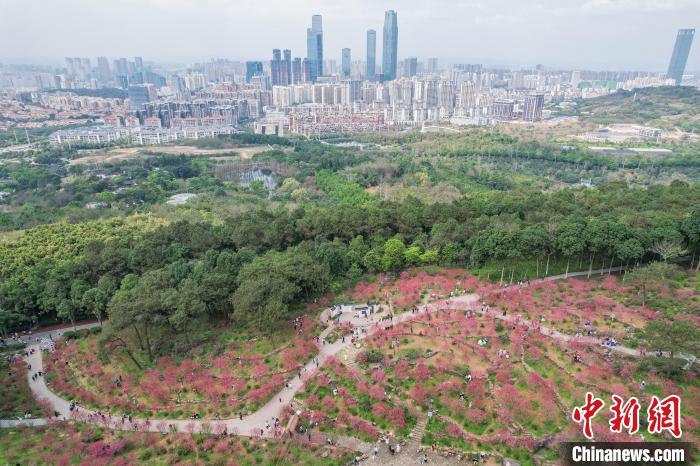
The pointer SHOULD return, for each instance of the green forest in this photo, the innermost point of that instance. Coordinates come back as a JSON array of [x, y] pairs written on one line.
[[165, 270]]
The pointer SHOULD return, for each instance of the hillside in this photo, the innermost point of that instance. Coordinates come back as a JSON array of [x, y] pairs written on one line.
[[666, 107]]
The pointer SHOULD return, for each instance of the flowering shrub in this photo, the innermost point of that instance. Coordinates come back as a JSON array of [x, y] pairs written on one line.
[[240, 378]]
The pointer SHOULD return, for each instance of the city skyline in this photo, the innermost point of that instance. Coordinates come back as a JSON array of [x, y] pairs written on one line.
[[445, 30]]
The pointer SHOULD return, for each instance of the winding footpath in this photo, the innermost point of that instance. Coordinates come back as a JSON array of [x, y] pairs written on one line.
[[255, 423]]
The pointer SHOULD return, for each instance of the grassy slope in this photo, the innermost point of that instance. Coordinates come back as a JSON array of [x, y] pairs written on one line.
[[667, 107]]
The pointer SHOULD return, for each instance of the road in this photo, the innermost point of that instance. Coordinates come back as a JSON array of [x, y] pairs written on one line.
[[53, 333]]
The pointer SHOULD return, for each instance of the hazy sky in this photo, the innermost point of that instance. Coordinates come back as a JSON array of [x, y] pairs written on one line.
[[594, 34]]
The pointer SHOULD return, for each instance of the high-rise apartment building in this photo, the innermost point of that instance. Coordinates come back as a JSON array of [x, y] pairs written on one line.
[[120, 67], [502, 110], [410, 66], [467, 96], [138, 95], [575, 79], [351, 91], [681, 50], [253, 68], [314, 46], [346, 62], [287, 63], [532, 108], [297, 76], [371, 72], [389, 46], [276, 67], [281, 69], [103, 68], [307, 70], [432, 65]]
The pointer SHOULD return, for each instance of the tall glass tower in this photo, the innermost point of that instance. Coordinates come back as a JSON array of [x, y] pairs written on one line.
[[681, 50], [390, 41], [371, 55], [314, 47], [346, 62]]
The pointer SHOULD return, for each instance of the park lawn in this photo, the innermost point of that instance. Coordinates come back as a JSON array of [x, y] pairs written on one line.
[[77, 443], [229, 372]]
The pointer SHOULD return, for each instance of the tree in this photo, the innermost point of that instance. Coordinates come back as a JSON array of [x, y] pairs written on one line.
[[690, 226], [373, 261], [550, 243], [10, 319], [67, 310], [602, 234], [187, 306], [645, 277], [430, 256], [334, 256], [668, 249], [412, 255], [269, 284], [393, 258], [95, 302], [139, 306], [630, 250], [677, 337], [354, 273], [357, 249], [570, 240]]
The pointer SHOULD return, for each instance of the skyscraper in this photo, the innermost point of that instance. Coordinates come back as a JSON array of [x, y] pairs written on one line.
[[138, 95], [390, 46], [346, 62], [287, 63], [532, 109], [253, 68], [411, 66], [371, 55], [314, 46], [307, 70], [296, 71], [681, 50], [432, 65], [276, 68], [120, 67], [103, 68]]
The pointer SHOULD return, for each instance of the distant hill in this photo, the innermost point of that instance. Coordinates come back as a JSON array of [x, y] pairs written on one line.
[[666, 107]]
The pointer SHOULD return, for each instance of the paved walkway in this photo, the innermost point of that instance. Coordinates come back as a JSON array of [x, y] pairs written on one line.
[[255, 423], [52, 333], [9, 423]]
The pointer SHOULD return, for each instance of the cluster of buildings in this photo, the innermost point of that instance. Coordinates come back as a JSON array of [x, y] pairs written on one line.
[[459, 95], [140, 135], [315, 120], [311, 95]]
